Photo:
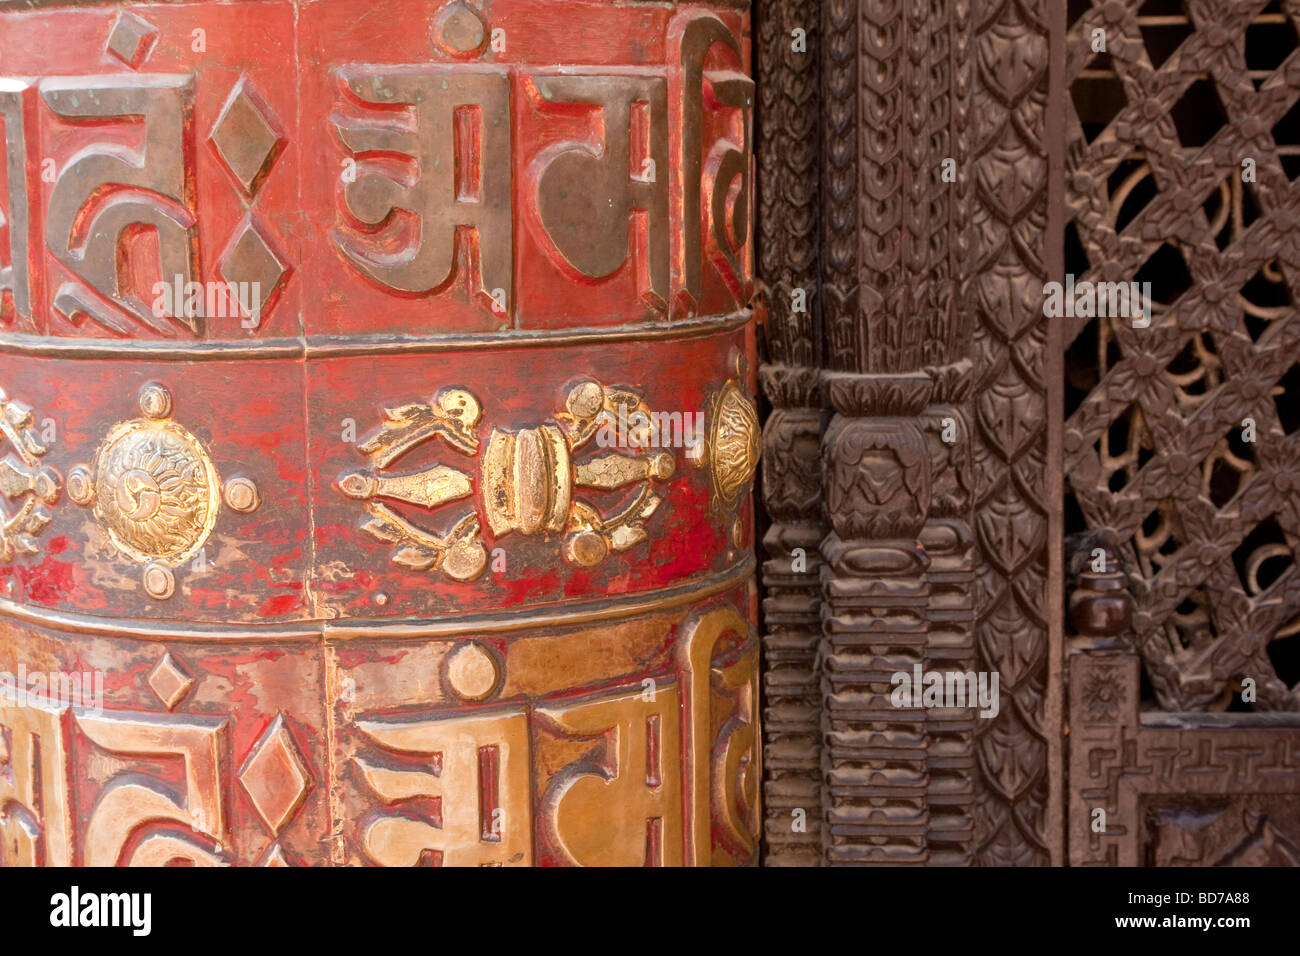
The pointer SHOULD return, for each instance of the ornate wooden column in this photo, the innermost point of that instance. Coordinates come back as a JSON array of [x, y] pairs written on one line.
[[877, 588], [932, 200], [1017, 174], [379, 434], [788, 71]]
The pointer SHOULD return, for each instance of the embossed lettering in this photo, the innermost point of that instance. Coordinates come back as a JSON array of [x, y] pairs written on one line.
[[587, 192], [424, 177], [106, 194]]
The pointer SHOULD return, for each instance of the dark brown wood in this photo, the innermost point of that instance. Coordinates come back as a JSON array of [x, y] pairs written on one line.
[[931, 195], [789, 180], [1179, 442]]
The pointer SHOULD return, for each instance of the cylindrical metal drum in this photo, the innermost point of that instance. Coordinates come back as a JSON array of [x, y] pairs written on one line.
[[377, 430]]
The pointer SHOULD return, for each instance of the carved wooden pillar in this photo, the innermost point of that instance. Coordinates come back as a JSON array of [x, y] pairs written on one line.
[[1016, 177], [909, 169], [878, 470], [378, 427], [788, 72]]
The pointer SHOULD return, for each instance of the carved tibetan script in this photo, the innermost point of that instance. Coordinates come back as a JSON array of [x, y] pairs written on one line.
[[426, 182]]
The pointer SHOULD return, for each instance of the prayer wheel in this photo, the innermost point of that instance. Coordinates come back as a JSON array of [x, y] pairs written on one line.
[[378, 434]]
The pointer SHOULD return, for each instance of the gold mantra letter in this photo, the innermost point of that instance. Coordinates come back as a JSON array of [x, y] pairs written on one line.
[[482, 780], [629, 813], [723, 752], [35, 814], [130, 802], [102, 193], [585, 195], [457, 137]]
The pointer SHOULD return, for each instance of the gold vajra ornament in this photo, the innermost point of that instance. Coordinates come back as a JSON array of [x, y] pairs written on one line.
[[155, 491], [530, 477], [24, 481], [528, 480]]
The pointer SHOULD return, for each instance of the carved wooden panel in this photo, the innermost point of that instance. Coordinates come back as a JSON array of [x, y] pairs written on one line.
[[1171, 790], [1179, 441], [379, 429], [1179, 446]]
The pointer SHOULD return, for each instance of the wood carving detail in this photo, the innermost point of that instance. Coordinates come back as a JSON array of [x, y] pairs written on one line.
[[899, 302], [1201, 523], [1150, 772], [1006, 269], [789, 180]]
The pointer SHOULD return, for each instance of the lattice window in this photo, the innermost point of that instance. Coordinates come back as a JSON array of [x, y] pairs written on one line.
[[1159, 468]]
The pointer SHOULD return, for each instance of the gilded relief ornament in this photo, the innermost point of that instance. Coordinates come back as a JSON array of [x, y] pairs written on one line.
[[528, 479], [734, 443], [27, 483], [530, 476], [733, 446], [452, 417], [155, 492]]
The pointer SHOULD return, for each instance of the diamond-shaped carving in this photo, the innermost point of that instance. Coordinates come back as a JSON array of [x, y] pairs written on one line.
[[274, 777], [131, 40], [1229, 467], [251, 260], [245, 138], [170, 681], [1166, 270]]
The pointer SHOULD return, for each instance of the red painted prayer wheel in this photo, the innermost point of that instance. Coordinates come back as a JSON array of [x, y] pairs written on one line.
[[378, 434]]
